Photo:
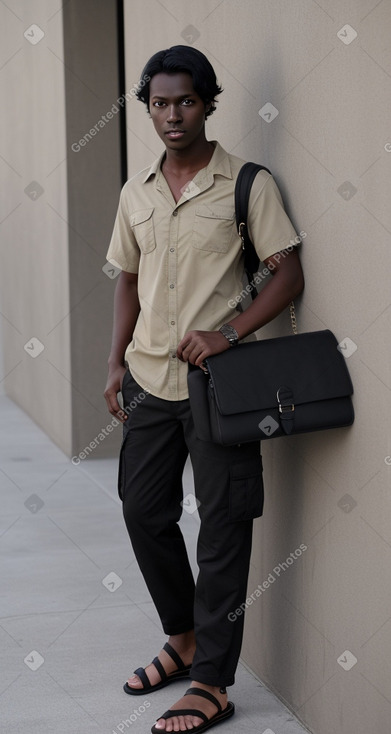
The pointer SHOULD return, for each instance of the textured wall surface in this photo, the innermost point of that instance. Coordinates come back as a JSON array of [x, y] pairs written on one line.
[[60, 172], [94, 182], [320, 633], [33, 219]]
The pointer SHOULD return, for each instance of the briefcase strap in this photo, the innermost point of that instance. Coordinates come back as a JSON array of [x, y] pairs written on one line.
[[243, 186]]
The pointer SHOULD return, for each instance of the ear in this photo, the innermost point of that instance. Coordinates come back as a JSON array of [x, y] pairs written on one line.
[[207, 107]]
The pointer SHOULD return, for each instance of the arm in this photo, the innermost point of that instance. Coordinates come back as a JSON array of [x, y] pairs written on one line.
[[126, 311], [286, 284]]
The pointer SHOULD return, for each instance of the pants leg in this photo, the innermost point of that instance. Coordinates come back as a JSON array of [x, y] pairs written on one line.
[[229, 487], [152, 458]]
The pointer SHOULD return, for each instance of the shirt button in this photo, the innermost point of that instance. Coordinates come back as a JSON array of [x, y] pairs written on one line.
[[172, 285], [172, 323], [173, 356], [175, 213], [172, 249]]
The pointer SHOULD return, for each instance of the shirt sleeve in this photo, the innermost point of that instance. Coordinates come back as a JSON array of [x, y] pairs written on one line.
[[123, 250], [269, 226]]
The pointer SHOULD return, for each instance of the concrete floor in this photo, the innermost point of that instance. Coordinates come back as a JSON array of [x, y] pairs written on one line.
[[76, 618]]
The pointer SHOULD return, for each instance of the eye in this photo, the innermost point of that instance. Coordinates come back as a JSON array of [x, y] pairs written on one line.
[[158, 103], [187, 102]]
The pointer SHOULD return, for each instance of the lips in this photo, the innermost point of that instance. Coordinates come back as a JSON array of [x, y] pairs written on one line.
[[175, 134]]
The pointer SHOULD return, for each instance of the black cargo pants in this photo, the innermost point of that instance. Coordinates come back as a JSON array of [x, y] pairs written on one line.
[[158, 436]]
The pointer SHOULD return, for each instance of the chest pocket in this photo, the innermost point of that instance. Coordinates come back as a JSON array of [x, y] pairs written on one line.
[[141, 223], [214, 228]]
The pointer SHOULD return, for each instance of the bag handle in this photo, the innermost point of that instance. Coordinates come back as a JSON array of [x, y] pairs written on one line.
[[243, 186]]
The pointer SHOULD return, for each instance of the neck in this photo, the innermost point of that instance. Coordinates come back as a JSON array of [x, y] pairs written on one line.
[[187, 161]]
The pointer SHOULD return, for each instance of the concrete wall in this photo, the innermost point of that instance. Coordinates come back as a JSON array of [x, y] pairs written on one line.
[[329, 148], [34, 272], [58, 77], [94, 183]]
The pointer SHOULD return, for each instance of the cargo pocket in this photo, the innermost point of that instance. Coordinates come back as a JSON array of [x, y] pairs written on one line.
[[129, 390], [246, 490]]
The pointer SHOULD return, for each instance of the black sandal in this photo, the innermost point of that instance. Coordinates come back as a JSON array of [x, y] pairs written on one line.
[[182, 672], [216, 719]]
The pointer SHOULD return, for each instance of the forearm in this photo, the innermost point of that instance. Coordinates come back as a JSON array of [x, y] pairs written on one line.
[[126, 311], [284, 286]]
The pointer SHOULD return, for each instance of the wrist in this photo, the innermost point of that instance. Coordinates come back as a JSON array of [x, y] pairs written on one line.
[[114, 362], [230, 333]]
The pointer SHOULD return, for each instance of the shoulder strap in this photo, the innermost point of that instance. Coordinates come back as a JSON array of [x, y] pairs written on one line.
[[243, 186]]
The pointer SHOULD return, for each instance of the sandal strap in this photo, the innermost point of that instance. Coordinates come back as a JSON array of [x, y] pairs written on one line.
[[174, 656], [143, 677], [205, 694], [159, 667], [184, 712]]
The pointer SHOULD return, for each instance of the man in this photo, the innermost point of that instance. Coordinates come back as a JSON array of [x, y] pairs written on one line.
[[176, 242]]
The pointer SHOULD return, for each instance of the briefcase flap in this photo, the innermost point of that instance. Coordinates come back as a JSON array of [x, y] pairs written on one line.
[[248, 377]]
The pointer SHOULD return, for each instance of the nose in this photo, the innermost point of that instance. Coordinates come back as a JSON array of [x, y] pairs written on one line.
[[174, 114]]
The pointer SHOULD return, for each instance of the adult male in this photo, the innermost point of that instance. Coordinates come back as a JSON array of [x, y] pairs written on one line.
[[176, 242]]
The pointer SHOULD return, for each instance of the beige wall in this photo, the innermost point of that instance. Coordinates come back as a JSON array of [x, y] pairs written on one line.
[[33, 231], [94, 183], [328, 491], [54, 241]]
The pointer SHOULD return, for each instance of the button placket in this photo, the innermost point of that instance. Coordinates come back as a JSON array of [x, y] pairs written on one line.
[[172, 303]]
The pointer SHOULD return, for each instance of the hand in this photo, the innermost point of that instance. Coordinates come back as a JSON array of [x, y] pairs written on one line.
[[113, 387], [198, 345]]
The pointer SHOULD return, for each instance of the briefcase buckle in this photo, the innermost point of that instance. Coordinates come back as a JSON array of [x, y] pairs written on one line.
[[286, 408], [285, 394]]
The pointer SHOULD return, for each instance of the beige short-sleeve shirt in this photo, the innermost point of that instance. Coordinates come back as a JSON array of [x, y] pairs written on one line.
[[189, 259]]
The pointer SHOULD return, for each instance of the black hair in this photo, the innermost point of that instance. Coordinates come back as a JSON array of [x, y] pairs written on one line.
[[182, 59]]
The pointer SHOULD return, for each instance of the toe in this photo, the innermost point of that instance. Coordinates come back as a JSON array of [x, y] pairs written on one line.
[[134, 682], [160, 724], [178, 723]]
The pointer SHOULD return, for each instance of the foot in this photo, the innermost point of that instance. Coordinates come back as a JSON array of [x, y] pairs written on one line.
[[183, 644], [189, 722]]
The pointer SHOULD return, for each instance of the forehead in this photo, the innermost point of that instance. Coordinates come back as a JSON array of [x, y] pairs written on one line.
[[171, 85]]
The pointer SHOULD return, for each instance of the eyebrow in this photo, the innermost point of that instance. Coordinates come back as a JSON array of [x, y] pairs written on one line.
[[180, 96]]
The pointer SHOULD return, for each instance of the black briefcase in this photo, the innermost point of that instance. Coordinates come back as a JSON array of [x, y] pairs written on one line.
[[270, 388]]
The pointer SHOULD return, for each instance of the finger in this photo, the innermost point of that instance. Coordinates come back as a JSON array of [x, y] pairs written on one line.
[[114, 406], [199, 360], [121, 416], [183, 344], [197, 355], [184, 352]]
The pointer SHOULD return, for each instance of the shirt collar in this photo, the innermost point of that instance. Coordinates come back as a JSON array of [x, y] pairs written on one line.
[[218, 164]]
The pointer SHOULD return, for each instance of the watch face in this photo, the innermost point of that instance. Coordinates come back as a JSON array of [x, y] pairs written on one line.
[[233, 341], [230, 334]]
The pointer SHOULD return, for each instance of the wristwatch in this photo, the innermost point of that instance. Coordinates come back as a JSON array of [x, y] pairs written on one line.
[[231, 334]]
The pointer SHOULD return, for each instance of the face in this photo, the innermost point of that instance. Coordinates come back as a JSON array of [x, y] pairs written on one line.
[[177, 111]]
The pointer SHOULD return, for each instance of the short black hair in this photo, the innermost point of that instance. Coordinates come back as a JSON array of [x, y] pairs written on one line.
[[182, 59]]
